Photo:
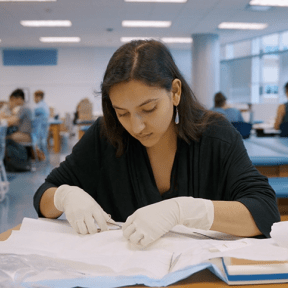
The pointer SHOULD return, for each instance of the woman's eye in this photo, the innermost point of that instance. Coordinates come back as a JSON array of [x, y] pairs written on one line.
[[122, 115], [150, 110]]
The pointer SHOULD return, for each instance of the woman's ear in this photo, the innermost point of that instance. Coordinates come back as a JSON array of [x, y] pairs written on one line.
[[176, 91]]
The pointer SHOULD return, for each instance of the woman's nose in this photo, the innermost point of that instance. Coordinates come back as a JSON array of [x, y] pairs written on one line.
[[137, 124]]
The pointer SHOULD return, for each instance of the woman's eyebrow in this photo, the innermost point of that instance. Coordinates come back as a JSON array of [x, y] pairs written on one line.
[[142, 104]]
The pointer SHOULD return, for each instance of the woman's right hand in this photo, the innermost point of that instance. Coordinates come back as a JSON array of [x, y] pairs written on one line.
[[80, 209]]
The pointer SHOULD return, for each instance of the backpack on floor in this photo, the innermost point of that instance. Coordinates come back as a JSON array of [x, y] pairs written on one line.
[[16, 157]]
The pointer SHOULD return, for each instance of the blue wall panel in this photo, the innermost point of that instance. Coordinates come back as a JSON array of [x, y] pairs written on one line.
[[29, 57]]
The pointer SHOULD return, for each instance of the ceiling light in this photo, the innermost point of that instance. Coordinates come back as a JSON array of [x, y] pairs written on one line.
[[28, 0], [158, 24], [281, 3], [243, 26], [258, 8], [162, 1], [177, 39], [46, 23], [60, 39], [128, 39]]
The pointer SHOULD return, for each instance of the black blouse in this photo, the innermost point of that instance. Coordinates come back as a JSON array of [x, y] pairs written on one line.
[[216, 168]]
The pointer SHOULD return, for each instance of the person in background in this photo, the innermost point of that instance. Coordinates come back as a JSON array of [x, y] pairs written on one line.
[[42, 113], [41, 108], [282, 112], [220, 106], [17, 156], [20, 118], [157, 159]]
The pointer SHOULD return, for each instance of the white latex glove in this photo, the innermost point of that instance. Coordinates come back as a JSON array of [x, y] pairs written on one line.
[[149, 223], [80, 209]]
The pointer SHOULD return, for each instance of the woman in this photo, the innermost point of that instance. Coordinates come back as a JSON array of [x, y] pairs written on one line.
[[159, 158]]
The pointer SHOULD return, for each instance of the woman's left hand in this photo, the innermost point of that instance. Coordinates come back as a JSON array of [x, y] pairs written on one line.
[[149, 223]]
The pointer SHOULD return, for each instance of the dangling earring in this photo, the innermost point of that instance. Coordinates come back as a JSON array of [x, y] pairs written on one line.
[[177, 116]]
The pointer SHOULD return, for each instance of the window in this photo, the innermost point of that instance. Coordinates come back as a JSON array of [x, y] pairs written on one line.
[[242, 49], [270, 43], [269, 78], [237, 50], [262, 56]]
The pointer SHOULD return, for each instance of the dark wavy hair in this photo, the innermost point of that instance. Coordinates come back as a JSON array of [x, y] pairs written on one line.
[[150, 62]]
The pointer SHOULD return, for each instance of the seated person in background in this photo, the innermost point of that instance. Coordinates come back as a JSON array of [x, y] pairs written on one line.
[[22, 119], [220, 105], [41, 108], [6, 109], [282, 112]]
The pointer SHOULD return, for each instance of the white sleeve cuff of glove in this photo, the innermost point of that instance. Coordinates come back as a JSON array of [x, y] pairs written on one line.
[[196, 212], [59, 196]]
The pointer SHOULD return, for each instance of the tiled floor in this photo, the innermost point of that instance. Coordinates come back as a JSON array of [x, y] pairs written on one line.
[[18, 202]]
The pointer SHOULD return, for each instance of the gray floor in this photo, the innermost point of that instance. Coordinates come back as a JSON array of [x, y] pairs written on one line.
[[18, 202]]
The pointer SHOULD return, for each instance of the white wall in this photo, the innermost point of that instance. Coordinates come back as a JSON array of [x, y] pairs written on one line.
[[78, 73]]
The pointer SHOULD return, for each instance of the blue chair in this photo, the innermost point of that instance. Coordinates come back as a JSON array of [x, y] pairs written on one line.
[[244, 128], [284, 129]]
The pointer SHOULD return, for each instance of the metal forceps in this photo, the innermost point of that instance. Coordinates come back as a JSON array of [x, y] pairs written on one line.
[[111, 223], [114, 223]]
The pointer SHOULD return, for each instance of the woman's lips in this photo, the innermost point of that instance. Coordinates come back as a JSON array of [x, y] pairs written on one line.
[[144, 137]]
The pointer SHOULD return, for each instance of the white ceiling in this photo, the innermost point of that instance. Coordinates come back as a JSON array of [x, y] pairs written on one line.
[[91, 19]]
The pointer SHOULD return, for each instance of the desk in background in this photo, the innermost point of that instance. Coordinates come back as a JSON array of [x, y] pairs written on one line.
[[258, 122], [265, 129], [54, 127], [268, 162], [202, 279], [85, 122], [277, 144], [270, 156], [271, 145]]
